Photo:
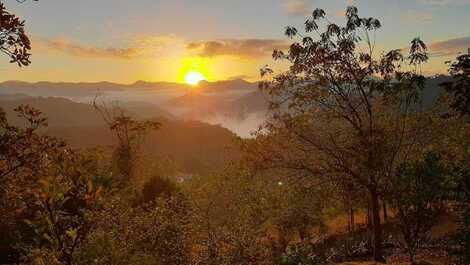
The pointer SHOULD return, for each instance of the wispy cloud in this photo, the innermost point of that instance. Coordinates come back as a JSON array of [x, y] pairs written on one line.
[[80, 50], [450, 47], [161, 46], [139, 47], [297, 7], [246, 48]]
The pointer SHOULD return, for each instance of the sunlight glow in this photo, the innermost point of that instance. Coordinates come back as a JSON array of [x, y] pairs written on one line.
[[193, 78], [192, 70]]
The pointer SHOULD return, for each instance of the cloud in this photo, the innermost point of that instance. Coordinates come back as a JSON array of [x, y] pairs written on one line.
[[164, 46], [297, 7], [450, 47], [415, 16], [247, 48], [444, 2], [75, 49], [139, 47]]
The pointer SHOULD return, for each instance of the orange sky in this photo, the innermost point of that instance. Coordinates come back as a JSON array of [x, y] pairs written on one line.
[[158, 40]]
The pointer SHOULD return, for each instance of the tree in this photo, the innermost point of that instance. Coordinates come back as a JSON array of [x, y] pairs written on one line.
[[232, 211], [341, 111], [420, 190], [130, 134], [459, 87], [63, 199], [13, 40], [22, 151], [297, 212], [46, 189]]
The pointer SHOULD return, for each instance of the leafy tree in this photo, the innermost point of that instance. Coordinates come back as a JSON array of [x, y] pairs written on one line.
[[459, 87], [62, 200], [130, 134], [420, 191], [46, 191], [457, 148], [22, 147], [22, 154], [341, 110], [13, 40]]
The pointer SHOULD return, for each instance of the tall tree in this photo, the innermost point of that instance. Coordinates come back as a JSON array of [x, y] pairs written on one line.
[[130, 134], [341, 111]]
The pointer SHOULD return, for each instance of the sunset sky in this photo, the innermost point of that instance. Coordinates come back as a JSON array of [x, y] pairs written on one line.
[[161, 40]]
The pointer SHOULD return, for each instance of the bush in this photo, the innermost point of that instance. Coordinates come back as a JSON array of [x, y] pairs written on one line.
[[158, 187]]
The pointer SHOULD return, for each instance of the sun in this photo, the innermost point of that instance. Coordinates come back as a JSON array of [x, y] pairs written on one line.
[[193, 78], [193, 70]]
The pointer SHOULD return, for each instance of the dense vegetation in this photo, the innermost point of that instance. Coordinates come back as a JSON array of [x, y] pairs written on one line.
[[349, 138]]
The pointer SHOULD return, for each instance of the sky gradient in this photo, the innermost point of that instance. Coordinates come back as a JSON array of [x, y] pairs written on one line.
[[160, 40]]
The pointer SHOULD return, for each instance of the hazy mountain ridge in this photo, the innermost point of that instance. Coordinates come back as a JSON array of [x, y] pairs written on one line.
[[62, 112], [70, 89], [194, 146], [234, 104]]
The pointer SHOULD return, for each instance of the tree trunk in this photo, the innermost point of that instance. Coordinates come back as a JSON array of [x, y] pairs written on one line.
[[384, 205], [376, 226], [351, 218], [347, 207], [368, 222]]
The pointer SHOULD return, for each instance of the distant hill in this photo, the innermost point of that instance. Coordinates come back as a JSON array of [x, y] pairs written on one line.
[[83, 89], [62, 112], [195, 147], [234, 104]]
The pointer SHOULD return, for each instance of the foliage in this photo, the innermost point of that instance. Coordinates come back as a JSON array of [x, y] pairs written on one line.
[[233, 210], [420, 190], [23, 147], [23, 152], [461, 195], [130, 134], [341, 113], [48, 190], [299, 211], [13, 40], [346, 123], [158, 233], [459, 87], [63, 199], [157, 187]]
